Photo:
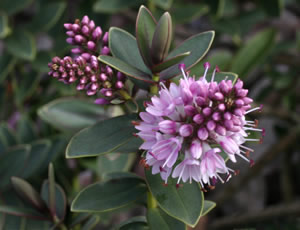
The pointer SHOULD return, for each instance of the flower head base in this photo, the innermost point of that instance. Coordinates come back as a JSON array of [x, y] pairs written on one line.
[[188, 125], [85, 69]]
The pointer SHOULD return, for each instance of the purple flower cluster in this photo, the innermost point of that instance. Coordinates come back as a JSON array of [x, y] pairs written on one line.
[[188, 125], [84, 68]]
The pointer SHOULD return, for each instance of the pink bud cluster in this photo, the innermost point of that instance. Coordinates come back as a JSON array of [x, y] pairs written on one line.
[[187, 126], [84, 68]]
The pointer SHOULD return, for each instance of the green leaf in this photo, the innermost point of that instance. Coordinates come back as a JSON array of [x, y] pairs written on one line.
[[71, 114], [272, 7], [104, 137], [14, 6], [47, 16], [36, 158], [12, 164], [208, 206], [223, 75], [8, 136], [26, 87], [21, 44], [125, 68], [40, 64], [170, 62], [4, 29], [7, 63], [164, 4], [91, 223], [162, 39], [198, 45], [60, 199], [187, 12], [114, 162], [253, 52], [216, 7], [134, 223], [220, 58], [184, 203], [18, 211], [114, 6], [109, 195], [51, 190], [28, 194], [25, 130], [158, 219], [145, 27], [122, 43]]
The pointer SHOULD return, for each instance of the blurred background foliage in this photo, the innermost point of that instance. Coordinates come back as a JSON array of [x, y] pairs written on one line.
[[258, 40]]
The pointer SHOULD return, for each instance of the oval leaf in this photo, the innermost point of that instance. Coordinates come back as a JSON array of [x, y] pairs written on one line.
[[170, 62], [71, 114], [162, 38], [28, 193], [145, 27], [109, 195], [134, 223], [4, 29], [21, 44], [158, 219], [185, 203], [198, 45], [7, 63], [253, 52], [24, 212], [104, 137], [208, 206], [114, 6], [121, 44], [14, 6], [125, 68]]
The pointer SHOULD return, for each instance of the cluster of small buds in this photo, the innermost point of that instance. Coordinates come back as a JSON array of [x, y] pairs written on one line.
[[190, 124], [87, 37], [92, 76]]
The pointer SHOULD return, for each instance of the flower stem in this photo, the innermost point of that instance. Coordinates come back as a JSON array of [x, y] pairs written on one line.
[[151, 202]]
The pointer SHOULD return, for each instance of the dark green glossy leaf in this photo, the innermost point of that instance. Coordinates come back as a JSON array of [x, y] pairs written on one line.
[[121, 44], [164, 4], [125, 68], [7, 63], [9, 137], [220, 58], [162, 38], [60, 199], [109, 195], [198, 45], [36, 158], [104, 137], [14, 6], [25, 130], [21, 44], [91, 223], [158, 219], [170, 62], [47, 16], [18, 211], [114, 162], [28, 194], [51, 190], [272, 7], [114, 6], [208, 206], [134, 223], [145, 27], [222, 76], [4, 29], [40, 64], [253, 52], [184, 203], [26, 87], [12, 164], [71, 114]]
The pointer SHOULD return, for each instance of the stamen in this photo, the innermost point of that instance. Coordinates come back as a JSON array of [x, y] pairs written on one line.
[[263, 132], [252, 163], [135, 123], [246, 139], [253, 129], [183, 73], [250, 121], [236, 172], [220, 178], [214, 73], [254, 109], [152, 154], [165, 184], [228, 177], [261, 140], [243, 157], [249, 149], [206, 66], [162, 169], [178, 186], [135, 135]]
